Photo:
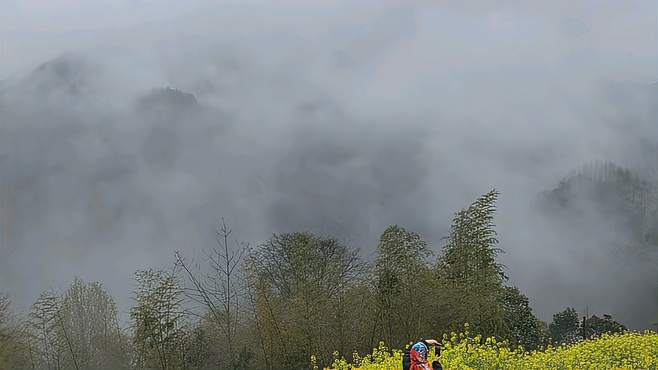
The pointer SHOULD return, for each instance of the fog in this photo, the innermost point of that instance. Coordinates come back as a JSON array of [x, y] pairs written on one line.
[[337, 117]]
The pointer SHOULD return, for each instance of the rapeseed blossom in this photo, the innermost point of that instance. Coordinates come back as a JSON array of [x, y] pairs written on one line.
[[462, 351]]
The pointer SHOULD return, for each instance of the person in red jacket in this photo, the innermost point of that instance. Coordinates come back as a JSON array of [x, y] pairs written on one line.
[[418, 355]]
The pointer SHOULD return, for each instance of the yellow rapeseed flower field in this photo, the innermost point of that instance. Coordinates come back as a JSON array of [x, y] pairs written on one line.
[[630, 350]]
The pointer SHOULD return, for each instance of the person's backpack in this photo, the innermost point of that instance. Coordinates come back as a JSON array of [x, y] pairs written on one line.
[[406, 359]]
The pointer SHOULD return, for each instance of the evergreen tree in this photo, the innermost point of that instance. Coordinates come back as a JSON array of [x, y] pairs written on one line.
[[469, 271], [522, 326], [565, 328], [595, 326]]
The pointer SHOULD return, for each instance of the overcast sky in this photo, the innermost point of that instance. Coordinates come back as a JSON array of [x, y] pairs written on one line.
[[338, 117]]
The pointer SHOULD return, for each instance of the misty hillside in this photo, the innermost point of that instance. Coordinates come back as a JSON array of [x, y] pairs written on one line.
[[153, 131], [388, 170], [608, 215], [607, 189], [68, 73]]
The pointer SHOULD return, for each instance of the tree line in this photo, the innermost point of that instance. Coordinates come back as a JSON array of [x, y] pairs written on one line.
[[297, 295]]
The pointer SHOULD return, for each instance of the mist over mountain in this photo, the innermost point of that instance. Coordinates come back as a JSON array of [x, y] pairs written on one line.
[[341, 122], [608, 217]]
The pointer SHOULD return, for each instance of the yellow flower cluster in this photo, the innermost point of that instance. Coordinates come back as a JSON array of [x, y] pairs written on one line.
[[618, 351]]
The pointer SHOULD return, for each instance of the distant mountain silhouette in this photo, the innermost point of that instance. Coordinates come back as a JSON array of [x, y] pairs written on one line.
[[68, 73], [167, 98]]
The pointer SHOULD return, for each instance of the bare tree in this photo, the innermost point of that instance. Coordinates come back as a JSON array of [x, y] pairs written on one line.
[[219, 291], [76, 330], [46, 350]]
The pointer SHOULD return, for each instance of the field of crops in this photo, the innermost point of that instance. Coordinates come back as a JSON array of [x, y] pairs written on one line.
[[620, 351]]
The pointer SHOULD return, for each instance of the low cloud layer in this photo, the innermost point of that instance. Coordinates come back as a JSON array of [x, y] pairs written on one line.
[[339, 118]]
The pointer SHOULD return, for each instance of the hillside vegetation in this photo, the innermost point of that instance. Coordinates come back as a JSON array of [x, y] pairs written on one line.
[[299, 297]]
